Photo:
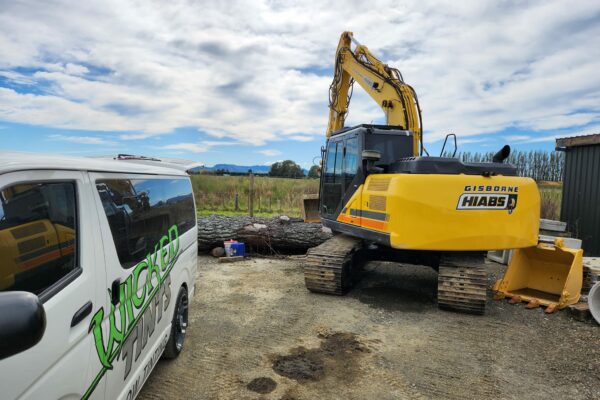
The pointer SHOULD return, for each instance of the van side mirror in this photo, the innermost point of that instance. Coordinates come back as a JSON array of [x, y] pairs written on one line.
[[22, 322], [371, 155]]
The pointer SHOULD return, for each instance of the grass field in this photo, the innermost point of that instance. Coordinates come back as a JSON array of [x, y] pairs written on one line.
[[272, 196], [276, 196], [551, 197]]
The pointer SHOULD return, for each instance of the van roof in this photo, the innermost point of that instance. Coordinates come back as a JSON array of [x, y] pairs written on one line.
[[22, 161]]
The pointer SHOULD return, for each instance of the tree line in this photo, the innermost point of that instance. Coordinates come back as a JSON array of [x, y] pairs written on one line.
[[289, 169], [537, 164]]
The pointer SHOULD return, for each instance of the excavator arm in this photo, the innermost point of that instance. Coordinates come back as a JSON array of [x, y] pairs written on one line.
[[384, 84]]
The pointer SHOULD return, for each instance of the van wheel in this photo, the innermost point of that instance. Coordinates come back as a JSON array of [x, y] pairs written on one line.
[[178, 326]]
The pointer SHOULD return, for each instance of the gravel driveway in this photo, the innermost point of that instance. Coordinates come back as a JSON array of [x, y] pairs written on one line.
[[257, 333]]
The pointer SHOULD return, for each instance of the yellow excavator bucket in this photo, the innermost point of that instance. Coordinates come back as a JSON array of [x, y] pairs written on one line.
[[550, 275], [310, 208]]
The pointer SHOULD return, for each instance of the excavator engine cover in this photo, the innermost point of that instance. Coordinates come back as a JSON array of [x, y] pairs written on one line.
[[546, 274]]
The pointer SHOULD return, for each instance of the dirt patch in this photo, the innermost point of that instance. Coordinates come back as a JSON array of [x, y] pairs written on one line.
[[394, 299], [336, 352], [262, 385], [302, 365], [415, 293], [244, 311]]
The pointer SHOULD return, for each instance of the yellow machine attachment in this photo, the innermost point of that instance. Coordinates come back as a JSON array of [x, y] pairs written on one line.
[[547, 274], [310, 208]]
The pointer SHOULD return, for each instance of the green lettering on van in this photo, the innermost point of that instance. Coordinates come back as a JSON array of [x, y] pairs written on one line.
[[122, 325]]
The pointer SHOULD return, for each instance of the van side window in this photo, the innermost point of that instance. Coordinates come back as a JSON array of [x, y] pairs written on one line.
[[141, 211], [38, 235]]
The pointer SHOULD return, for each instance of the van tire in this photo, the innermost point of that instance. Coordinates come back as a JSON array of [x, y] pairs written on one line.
[[178, 326]]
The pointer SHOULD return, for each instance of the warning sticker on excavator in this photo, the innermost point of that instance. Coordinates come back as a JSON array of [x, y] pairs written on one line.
[[487, 201]]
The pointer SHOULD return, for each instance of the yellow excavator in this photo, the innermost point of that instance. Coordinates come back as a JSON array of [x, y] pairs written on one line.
[[385, 200]]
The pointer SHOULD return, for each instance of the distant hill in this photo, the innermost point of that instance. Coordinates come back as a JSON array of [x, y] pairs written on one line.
[[257, 169]]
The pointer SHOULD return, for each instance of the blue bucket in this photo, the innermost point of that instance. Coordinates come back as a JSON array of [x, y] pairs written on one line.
[[238, 250]]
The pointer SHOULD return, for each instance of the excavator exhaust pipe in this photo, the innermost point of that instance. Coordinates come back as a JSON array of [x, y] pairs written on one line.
[[548, 275]]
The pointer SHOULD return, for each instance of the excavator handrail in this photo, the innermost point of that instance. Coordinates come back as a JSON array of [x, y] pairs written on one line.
[[373, 75]]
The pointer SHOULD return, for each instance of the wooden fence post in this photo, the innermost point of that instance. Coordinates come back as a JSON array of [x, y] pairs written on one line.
[[251, 194], [237, 203]]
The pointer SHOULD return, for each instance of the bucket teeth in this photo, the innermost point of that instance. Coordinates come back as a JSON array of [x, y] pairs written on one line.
[[515, 300], [499, 296], [532, 304], [550, 309]]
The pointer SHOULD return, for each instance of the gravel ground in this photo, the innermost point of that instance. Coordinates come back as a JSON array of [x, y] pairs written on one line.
[[257, 333]]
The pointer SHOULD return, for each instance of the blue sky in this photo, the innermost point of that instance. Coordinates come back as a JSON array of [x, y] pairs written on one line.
[[247, 82]]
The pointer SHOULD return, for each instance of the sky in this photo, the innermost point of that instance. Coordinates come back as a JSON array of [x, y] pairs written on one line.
[[247, 82]]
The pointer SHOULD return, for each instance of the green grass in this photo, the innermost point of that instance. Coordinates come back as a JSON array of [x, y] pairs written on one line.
[[281, 196], [550, 198], [272, 196]]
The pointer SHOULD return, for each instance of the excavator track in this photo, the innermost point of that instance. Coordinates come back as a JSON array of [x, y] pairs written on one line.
[[328, 268], [462, 289]]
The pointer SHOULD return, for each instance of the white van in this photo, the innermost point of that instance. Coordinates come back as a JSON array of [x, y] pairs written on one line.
[[97, 266]]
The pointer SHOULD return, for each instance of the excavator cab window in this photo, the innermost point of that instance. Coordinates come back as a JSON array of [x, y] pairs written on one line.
[[350, 161], [333, 177], [392, 147], [341, 166]]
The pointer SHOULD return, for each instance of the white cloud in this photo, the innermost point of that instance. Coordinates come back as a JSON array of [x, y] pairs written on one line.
[[269, 163], [467, 141], [269, 152], [255, 72], [191, 147], [81, 139], [201, 147], [517, 138], [302, 138], [138, 136]]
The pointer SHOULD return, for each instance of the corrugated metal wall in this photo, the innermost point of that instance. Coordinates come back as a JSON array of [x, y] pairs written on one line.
[[581, 196]]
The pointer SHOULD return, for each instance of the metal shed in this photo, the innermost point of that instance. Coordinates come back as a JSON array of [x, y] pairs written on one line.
[[580, 207]]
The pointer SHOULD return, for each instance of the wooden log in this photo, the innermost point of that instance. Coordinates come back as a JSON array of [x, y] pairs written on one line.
[[264, 235]]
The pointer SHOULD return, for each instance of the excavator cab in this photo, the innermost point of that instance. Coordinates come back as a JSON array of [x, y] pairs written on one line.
[[348, 159]]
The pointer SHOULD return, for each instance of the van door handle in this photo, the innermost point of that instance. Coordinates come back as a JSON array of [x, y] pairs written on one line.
[[81, 313], [114, 291]]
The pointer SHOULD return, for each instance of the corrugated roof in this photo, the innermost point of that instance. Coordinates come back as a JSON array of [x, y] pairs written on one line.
[[582, 140]]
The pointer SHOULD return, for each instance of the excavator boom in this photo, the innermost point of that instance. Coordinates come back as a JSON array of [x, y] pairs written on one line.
[[384, 84]]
